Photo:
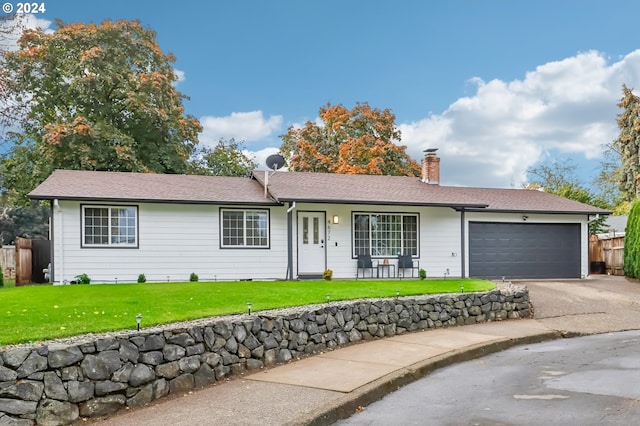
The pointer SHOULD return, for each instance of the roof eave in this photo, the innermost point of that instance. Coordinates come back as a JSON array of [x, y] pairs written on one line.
[[379, 202], [153, 200], [578, 212]]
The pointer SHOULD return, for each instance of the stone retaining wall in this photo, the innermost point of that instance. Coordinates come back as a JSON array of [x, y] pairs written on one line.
[[58, 383]]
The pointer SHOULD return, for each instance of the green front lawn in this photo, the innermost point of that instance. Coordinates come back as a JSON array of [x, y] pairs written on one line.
[[31, 314]]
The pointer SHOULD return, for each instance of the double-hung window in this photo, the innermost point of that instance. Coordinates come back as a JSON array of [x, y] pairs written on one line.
[[109, 226], [385, 234], [244, 228]]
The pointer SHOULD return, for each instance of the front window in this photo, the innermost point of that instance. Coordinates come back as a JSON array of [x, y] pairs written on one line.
[[109, 226], [245, 228], [385, 234]]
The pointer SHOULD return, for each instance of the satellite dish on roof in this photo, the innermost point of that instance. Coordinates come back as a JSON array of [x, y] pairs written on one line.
[[275, 161]]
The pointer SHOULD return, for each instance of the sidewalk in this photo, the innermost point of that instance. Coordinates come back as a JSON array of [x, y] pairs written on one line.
[[324, 388]]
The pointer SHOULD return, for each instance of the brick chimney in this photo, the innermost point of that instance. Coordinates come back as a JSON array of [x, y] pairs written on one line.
[[431, 167]]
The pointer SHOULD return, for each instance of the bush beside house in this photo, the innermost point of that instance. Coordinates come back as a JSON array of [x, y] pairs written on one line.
[[631, 265]]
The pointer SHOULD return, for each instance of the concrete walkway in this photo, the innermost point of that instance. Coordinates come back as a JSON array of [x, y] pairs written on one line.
[[324, 388]]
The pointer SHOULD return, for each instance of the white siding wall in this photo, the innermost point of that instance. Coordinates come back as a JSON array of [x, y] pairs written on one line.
[[535, 218], [174, 241], [439, 244]]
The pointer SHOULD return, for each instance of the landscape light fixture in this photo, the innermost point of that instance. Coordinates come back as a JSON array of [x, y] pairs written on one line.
[[461, 289], [328, 298], [397, 293], [249, 307], [336, 219], [138, 320]]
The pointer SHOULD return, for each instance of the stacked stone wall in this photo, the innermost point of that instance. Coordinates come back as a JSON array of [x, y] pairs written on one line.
[[58, 383]]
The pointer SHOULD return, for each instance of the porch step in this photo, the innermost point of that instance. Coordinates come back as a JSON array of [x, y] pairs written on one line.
[[310, 276]]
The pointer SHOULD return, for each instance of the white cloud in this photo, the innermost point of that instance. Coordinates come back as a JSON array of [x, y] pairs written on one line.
[[492, 137], [180, 76], [242, 126]]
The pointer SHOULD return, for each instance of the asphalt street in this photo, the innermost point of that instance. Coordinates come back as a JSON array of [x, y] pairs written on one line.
[[582, 381]]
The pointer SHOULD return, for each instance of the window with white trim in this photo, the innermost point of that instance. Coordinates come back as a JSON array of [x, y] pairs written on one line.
[[385, 234], [245, 228], [109, 226]]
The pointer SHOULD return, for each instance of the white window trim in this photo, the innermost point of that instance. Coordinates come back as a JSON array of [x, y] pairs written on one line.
[[109, 244], [244, 223], [353, 221]]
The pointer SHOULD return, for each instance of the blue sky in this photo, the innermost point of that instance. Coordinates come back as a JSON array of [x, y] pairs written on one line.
[[497, 86]]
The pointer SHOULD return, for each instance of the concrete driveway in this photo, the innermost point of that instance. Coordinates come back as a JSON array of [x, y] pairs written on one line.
[[598, 304]]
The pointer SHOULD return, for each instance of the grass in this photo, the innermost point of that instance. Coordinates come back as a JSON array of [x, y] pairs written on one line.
[[36, 313]]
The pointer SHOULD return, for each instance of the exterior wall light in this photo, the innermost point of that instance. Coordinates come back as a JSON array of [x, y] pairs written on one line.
[[336, 219]]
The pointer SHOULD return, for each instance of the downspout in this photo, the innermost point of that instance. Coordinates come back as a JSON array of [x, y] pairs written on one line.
[[292, 205], [462, 244], [56, 204], [52, 245]]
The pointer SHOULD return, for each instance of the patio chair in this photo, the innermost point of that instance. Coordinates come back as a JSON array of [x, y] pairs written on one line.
[[364, 263], [405, 261]]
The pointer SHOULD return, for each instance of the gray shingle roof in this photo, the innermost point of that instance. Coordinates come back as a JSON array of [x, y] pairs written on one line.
[[151, 187], [374, 189], [297, 186]]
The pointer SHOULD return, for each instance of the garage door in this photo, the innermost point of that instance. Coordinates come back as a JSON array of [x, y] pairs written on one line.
[[524, 250]]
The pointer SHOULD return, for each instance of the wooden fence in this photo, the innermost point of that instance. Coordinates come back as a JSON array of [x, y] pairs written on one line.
[[32, 257], [609, 250], [8, 261]]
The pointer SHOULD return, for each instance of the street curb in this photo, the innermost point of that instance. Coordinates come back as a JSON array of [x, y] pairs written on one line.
[[352, 402]]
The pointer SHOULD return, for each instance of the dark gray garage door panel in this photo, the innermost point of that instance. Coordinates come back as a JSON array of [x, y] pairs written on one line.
[[524, 250]]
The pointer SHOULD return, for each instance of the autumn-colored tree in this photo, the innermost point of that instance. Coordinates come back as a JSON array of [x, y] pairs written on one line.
[[628, 144], [225, 159], [97, 97], [357, 141]]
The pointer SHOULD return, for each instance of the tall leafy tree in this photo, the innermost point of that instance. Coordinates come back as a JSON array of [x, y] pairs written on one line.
[[357, 141], [227, 158], [608, 180], [26, 222], [560, 178], [97, 97], [628, 144]]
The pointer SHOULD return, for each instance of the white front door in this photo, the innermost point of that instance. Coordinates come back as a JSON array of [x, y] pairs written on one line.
[[311, 243]]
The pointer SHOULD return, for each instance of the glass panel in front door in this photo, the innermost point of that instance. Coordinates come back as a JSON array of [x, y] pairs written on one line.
[[305, 230], [315, 230]]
